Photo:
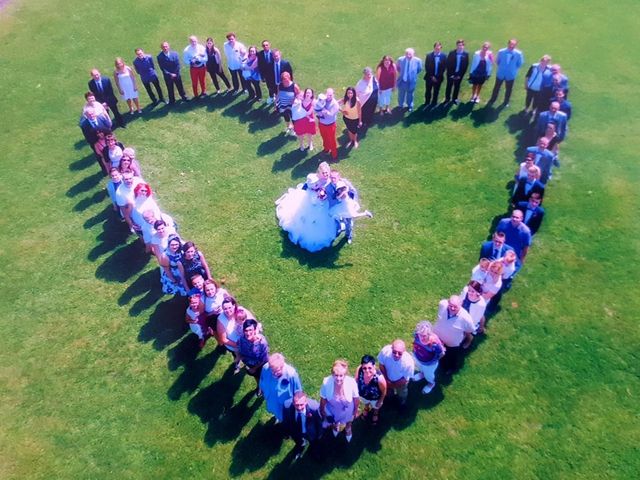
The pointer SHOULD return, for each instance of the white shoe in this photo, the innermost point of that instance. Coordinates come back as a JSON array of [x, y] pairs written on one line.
[[417, 377], [349, 241], [427, 388], [368, 213], [269, 101], [311, 147], [348, 437]]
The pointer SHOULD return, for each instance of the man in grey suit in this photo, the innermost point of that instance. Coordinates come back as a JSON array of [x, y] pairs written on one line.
[[408, 66]]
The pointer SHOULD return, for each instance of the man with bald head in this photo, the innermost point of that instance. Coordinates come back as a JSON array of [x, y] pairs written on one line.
[[397, 366], [508, 61], [327, 124], [103, 93], [455, 328], [169, 63], [408, 66], [195, 55], [555, 116], [517, 235]]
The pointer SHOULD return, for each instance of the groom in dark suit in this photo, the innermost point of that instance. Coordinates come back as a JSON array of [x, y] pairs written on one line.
[[434, 67], [303, 422], [103, 91], [457, 64]]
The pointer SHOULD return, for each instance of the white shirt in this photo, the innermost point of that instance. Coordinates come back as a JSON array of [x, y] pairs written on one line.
[[451, 330], [476, 310], [124, 194], [349, 388], [196, 53], [396, 369], [234, 54]]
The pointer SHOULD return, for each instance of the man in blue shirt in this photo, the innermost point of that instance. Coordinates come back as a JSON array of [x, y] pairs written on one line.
[[169, 63], [408, 66], [516, 234], [509, 61], [144, 66]]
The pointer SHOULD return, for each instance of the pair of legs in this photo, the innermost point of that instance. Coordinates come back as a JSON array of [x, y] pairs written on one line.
[[507, 92], [405, 94], [214, 74], [309, 138], [475, 92], [254, 90], [174, 82], [238, 80], [131, 102], [198, 77], [384, 101], [431, 91], [428, 372], [453, 89], [352, 132], [372, 406], [328, 134], [286, 114], [156, 83]]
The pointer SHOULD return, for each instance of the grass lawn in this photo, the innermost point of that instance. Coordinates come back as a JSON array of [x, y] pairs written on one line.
[[98, 376]]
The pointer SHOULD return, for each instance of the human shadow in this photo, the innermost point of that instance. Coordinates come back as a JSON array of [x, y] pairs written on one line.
[[124, 263], [218, 101], [463, 110], [88, 202], [100, 217], [289, 160], [243, 110], [85, 184], [84, 162], [325, 258], [272, 145], [251, 452], [310, 164], [147, 287], [485, 115], [268, 119], [196, 368], [388, 120], [114, 233], [214, 406], [166, 324], [434, 113]]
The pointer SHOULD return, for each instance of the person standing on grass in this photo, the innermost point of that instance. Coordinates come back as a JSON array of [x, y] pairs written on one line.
[[279, 382], [480, 71], [265, 66], [517, 234], [214, 65], [457, 64], [435, 64], [350, 108], [533, 212], [144, 66], [372, 387], [125, 79], [386, 75], [303, 422], [195, 56], [327, 117], [397, 366], [254, 351], [427, 351], [454, 328], [235, 52], [339, 400], [408, 66], [169, 63], [508, 62], [103, 92]]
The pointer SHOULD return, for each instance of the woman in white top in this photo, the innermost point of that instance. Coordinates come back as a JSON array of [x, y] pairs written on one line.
[[229, 327], [339, 399], [475, 304], [125, 79]]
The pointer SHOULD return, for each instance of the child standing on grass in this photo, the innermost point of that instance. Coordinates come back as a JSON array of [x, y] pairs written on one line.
[[346, 210]]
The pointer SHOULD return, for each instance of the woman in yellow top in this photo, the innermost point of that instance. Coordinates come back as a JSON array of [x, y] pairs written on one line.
[[350, 108]]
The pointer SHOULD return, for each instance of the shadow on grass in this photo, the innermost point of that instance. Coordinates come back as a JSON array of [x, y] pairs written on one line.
[[85, 184], [99, 218], [485, 115], [463, 111], [114, 233], [309, 165], [84, 162], [147, 287], [325, 258], [214, 406], [520, 127], [91, 200], [196, 368], [124, 263], [166, 324]]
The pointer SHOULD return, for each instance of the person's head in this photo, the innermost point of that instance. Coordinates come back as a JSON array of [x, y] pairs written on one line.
[[197, 281], [142, 190], [409, 53], [559, 95], [308, 94], [165, 47], [119, 63], [386, 61], [285, 78], [194, 301], [498, 240], [339, 370], [424, 329], [512, 44], [533, 173], [300, 401], [229, 306], [367, 73], [102, 134], [455, 302], [210, 288], [486, 46], [530, 158], [116, 176], [554, 107], [127, 178], [174, 244], [516, 217], [535, 200], [437, 47], [460, 45], [266, 45], [543, 143], [484, 263], [210, 42], [496, 268], [397, 349], [193, 40], [90, 113], [149, 216], [329, 94], [350, 96], [189, 250], [324, 171], [139, 53], [250, 329], [544, 60], [276, 364], [90, 97], [277, 55], [253, 51], [334, 176], [508, 258], [556, 69], [368, 364], [474, 290], [231, 37], [160, 226], [550, 129], [111, 140], [95, 74]]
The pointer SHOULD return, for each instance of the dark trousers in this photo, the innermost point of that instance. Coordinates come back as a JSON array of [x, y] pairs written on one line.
[[214, 74], [177, 82], [113, 106], [431, 90], [238, 80], [253, 87], [496, 89], [534, 100], [156, 83], [452, 360], [272, 87], [453, 83]]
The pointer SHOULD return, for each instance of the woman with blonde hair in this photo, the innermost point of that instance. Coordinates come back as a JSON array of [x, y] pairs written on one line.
[[339, 400], [125, 79]]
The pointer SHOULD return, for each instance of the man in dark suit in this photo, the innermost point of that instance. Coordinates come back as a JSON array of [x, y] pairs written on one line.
[[169, 63], [495, 248], [457, 64], [265, 67], [279, 66], [544, 159], [91, 124], [434, 67], [533, 212], [303, 422], [103, 91], [555, 116], [527, 186]]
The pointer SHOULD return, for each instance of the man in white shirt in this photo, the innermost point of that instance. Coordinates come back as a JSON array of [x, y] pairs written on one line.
[[235, 51], [195, 55], [455, 328], [397, 366], [125, 195]]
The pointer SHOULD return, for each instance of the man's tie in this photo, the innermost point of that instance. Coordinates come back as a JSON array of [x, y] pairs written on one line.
[[299, 421], [278, 72], [99, 85], [435, 72]]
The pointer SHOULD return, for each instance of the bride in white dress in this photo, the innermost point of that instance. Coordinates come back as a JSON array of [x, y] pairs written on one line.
[[304, 215]]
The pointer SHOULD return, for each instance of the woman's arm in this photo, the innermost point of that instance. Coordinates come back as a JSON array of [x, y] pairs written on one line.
[[117, 82], [182, 276], [382, 384], [205, 265], [133, 79]]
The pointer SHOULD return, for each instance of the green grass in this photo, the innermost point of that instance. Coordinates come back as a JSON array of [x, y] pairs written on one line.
[[97, 375]]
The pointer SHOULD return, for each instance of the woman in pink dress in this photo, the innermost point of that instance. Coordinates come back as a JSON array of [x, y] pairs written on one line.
[[305, 124]]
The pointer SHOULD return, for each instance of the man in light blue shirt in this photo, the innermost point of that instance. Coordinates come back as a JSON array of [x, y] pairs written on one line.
[[509, 61], [409, 66]]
